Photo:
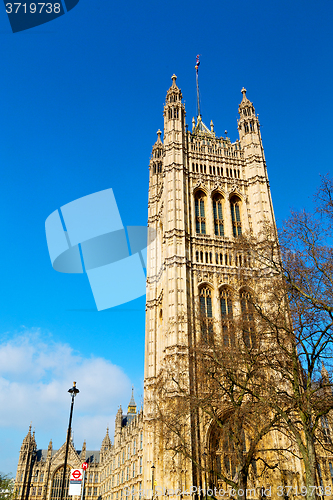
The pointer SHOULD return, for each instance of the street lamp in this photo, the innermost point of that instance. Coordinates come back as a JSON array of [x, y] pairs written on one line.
[[152, 481], [73, 392]]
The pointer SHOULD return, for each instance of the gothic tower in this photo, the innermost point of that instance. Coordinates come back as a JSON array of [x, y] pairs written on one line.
[[204, 192], [25, 463]]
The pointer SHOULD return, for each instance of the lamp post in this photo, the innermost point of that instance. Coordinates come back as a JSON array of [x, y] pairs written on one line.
[[152, 481], [205, 455], [73, 392]]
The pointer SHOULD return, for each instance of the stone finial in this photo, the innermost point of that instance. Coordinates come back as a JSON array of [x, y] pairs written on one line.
[[174, 78], [159, 133], [211, 126], [243, 91]]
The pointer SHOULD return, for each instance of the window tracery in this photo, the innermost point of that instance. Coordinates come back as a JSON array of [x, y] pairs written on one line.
[[247, 310], [200, 218], [218, 215], [206, 314], [227, 318], [235, 216]]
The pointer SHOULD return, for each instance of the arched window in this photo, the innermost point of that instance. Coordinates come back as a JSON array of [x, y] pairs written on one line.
[[57, 482], [227, 316], [200, 219], [235, 216], [227, 445], [218, 215], [247, 310], [206, 314]]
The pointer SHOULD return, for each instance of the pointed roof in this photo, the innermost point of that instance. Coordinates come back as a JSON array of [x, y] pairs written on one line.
[[245, 101], [28, 437], [324, 373], [201, 128], [132, 404], [106, 443]]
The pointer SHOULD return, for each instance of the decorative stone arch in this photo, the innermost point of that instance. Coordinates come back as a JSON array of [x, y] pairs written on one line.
[[220, 451], [218, 190], [235, 192], [200, 187]]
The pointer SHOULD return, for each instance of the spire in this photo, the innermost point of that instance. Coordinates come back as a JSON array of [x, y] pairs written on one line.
[[106, 443], [325, 374], [28, 437], [83, 451], [248, 123], [245, 99], [174, 78], [132, 405]]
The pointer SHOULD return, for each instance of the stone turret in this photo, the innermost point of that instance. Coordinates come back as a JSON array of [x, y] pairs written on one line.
[[248, 123], [106, 445], [118, 426]]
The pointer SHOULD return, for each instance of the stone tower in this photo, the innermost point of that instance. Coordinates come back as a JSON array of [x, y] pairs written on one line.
[[25, 463], [204, 192]]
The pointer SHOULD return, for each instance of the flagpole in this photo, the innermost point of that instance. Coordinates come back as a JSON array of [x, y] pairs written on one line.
[[197, 80]]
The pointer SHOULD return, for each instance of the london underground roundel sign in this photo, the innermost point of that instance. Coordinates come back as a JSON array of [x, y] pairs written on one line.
[[76, 475]]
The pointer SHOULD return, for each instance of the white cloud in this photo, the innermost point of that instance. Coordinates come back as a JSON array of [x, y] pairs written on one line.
[[35, 375]]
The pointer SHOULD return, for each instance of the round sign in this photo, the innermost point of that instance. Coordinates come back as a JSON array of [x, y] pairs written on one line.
[[76, 474], [84, 466]]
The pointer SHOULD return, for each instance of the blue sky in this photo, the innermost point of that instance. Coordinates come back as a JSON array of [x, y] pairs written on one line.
[[82, 99]]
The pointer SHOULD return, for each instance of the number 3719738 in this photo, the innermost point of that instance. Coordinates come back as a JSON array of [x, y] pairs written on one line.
[[33, 8], [289, 490]]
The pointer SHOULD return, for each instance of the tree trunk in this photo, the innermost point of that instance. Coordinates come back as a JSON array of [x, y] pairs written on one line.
[[242, 485], [310, 468]]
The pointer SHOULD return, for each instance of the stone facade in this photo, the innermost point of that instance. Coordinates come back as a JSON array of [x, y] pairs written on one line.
[[114, 472], [204, 191]]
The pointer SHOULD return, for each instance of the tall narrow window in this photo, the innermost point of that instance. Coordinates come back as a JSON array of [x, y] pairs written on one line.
[[331, 470], [227, 315], [200, 219], [218, 215], [57, 483], [249, 336], [235, 216], [326, 429], [206, 314]]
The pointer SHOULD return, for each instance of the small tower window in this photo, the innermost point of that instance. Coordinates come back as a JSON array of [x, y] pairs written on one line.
[[218, 215], [206, 314], [200, 213], [227, 315], [235, 216], [247, 311]]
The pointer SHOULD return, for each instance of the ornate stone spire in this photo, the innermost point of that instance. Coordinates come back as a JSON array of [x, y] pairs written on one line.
[[132, 404], [248, 123], [106, 443]]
